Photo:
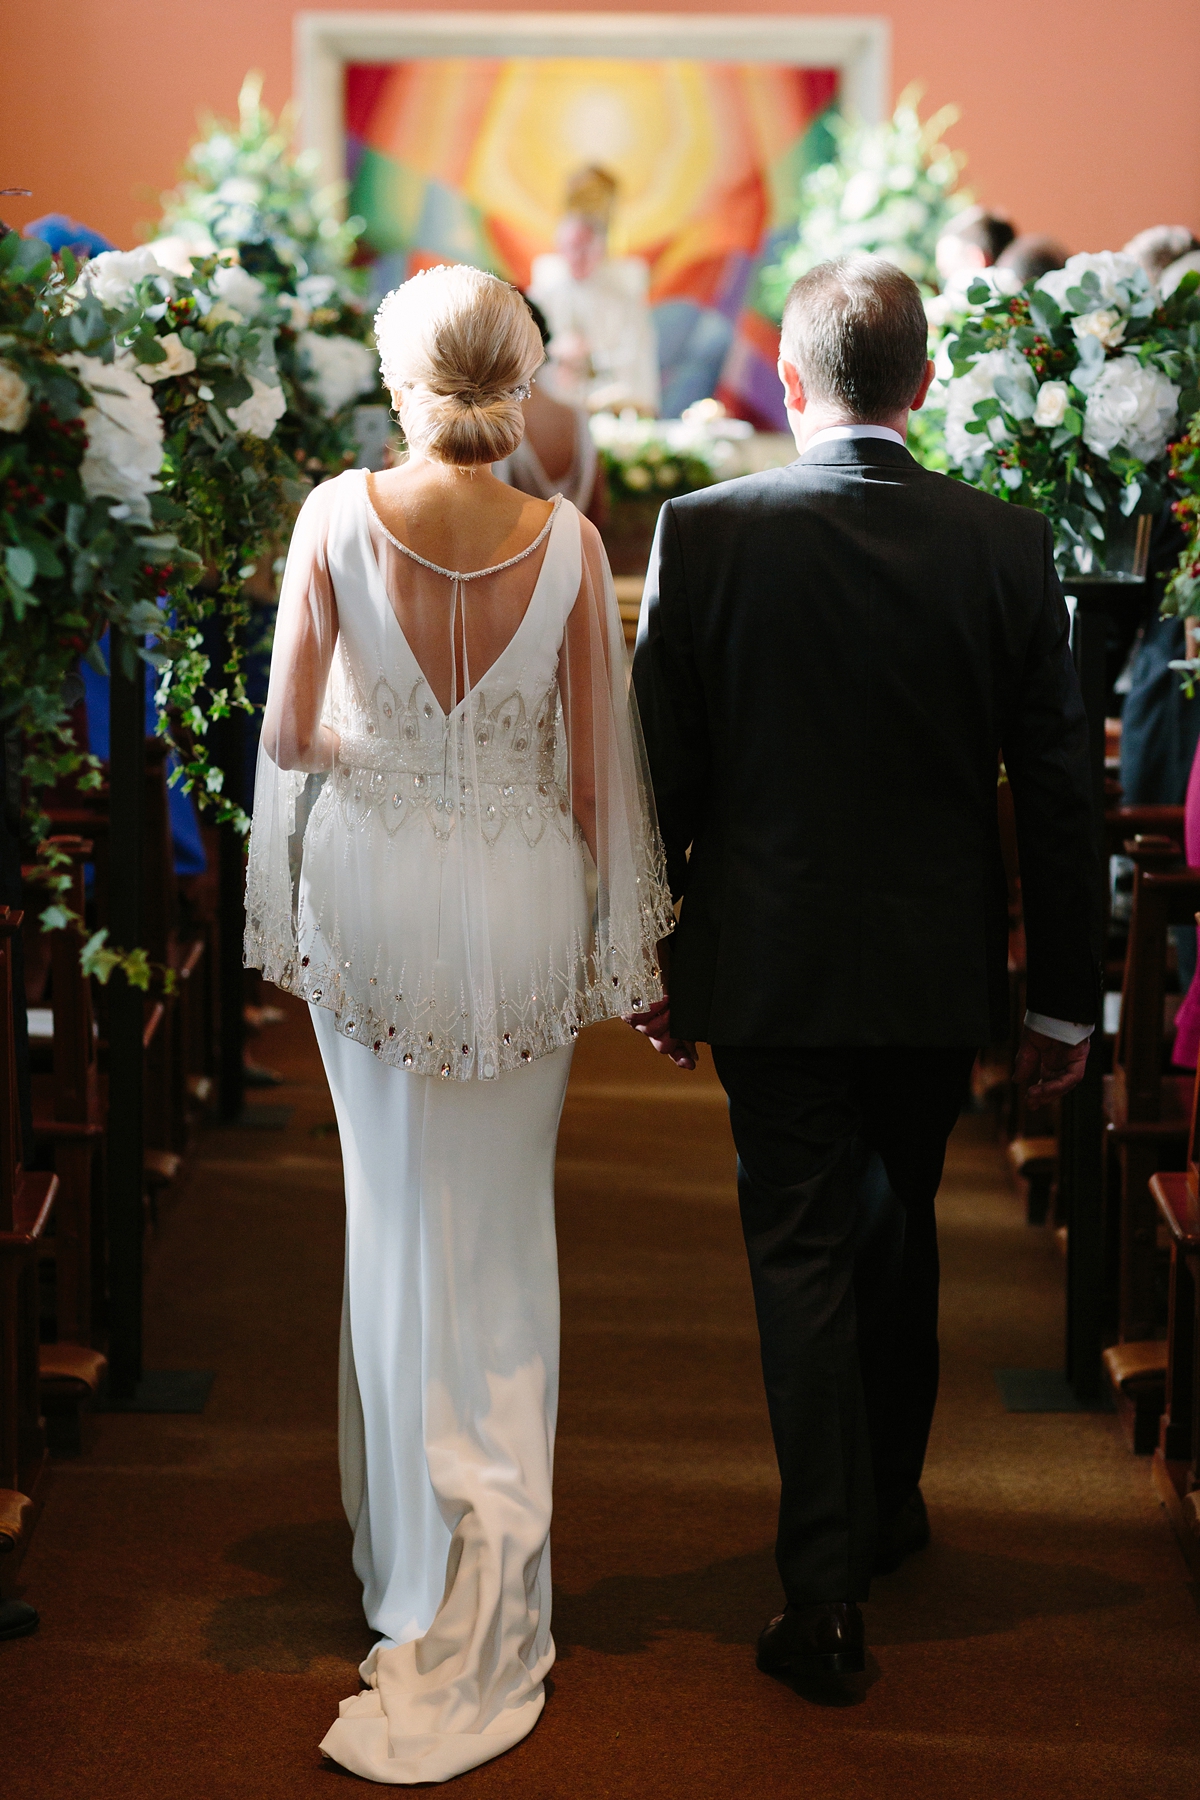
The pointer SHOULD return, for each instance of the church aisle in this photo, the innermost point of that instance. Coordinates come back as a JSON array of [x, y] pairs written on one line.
[[200, 1620]]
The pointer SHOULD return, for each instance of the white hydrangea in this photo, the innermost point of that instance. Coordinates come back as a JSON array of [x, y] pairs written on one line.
[[124, 436], [14, 399], [963, 394], [258, 415], [1130, 407], [240, 291], [335, 370], [113, 276], [1122, 280]]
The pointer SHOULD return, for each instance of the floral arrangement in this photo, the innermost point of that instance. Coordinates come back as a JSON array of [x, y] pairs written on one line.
[[81, 449], [1065, 396], [204, 348], [1182, 595], [890, 189], [645, 459], [247, 198]]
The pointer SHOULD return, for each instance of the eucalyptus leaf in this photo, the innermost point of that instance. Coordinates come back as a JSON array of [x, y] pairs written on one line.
[[1044, 312], [21, 565], [1079, 300]]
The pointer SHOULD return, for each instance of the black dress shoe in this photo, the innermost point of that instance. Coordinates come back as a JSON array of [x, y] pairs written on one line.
[[903, 1535], [16, 1619], [813, 1640]]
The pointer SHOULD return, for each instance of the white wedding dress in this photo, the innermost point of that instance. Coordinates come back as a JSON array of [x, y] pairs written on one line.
[[434, 896]]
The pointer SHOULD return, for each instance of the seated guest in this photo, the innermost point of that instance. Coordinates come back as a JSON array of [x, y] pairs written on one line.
[[1031, 256], [1187, 1020], [556, 455], [973, 240], [1159, 246]]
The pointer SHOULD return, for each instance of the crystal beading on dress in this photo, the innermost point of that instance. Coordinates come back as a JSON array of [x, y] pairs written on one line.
[[363, 878]]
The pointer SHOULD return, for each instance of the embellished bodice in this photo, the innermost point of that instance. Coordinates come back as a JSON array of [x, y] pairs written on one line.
[[497, 756]]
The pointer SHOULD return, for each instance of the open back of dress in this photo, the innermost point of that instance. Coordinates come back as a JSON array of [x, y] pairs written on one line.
[[476, 872]]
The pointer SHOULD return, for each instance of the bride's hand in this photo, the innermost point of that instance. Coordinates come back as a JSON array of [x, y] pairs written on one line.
[[655, 1024]]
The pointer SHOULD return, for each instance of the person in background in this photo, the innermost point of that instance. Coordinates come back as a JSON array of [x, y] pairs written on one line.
[[1174, 273], [1187, 1019], [973, 240], [1159, 246], [606, 354], [1031, 256], [557, 454]]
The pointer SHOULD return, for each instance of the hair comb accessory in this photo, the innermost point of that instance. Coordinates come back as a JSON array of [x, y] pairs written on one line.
[[522, 392]]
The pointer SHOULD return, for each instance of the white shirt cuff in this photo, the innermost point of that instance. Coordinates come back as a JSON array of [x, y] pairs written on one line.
[[1062, 1029]]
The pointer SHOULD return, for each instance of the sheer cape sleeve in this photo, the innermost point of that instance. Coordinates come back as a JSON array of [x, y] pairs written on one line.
[[464, 890]]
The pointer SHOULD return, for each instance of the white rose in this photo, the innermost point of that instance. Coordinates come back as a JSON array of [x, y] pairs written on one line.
[[244, 292], [258, 416], [298, 314], [14, 399], [113, 276], [1053, 399], [963, 394], [124, 436], [1121, 279], [1105, 323], [180, 360], [336, 370], [1131, 408]]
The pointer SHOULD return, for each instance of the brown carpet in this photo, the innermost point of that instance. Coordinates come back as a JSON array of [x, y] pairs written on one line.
[[200, 1619]]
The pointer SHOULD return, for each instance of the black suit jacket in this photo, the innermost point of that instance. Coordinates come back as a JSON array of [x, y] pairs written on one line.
[[830, 658]]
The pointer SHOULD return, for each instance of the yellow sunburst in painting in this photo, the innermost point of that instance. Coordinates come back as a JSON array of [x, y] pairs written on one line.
[[650, 124]]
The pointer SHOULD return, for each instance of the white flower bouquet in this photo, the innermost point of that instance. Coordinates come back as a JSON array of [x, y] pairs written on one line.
[[1065, 397], [890, 189]]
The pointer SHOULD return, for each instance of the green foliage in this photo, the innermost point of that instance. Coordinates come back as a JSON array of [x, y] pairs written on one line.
[[70, 570], [1182, 596], [890, 189], [246, 190]]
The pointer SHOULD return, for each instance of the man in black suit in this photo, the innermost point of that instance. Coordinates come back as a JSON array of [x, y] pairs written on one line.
[[831, 659]]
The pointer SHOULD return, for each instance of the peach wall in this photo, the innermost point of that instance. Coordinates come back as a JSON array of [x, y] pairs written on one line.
[[1079, 116]]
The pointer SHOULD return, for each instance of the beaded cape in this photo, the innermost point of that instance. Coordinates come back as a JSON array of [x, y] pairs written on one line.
[[464, 876]]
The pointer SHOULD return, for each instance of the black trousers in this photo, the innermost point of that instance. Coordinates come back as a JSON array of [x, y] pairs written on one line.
[[840, 1153]]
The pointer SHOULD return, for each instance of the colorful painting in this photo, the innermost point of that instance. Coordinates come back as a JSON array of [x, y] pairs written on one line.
[[467, 160]]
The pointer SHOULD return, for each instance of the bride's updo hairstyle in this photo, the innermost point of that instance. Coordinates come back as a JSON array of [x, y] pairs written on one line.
[[457, 350]]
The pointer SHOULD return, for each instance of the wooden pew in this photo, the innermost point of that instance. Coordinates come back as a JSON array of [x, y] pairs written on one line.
[[1177, 1453], [68, 1121], [1147, 1120], [26, 1206]]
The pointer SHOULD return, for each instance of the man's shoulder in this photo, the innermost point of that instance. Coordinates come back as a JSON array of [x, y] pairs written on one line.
[[741, 493]]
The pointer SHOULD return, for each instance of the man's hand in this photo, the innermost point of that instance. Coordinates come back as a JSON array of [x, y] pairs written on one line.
[[655, 1024], [1048, 1068]]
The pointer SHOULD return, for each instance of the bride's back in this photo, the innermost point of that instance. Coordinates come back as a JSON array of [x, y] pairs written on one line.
[[428, 522]]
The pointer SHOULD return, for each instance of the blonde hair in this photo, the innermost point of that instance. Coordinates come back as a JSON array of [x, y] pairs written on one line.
[[457, 349]]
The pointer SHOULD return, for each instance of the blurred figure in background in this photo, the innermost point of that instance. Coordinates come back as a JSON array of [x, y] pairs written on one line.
[[973, 240], [1159, 246], [1031, 256], [556, 455], [605, 353]]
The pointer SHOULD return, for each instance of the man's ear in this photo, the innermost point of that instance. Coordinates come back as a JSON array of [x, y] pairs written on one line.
[[918, 399], [795, 399]]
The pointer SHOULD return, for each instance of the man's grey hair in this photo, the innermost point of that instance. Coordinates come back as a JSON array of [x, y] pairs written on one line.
[[856, 331]]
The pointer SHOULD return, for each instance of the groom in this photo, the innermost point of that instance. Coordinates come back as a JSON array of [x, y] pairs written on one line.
[[831, 660]]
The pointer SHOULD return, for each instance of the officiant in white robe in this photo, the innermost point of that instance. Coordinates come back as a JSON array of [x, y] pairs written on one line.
[[604, 351]]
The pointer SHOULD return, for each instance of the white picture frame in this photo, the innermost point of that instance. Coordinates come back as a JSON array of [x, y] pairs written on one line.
[[859, 48]]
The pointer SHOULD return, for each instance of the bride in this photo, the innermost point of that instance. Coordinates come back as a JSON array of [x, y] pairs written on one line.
[[454, 860]]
